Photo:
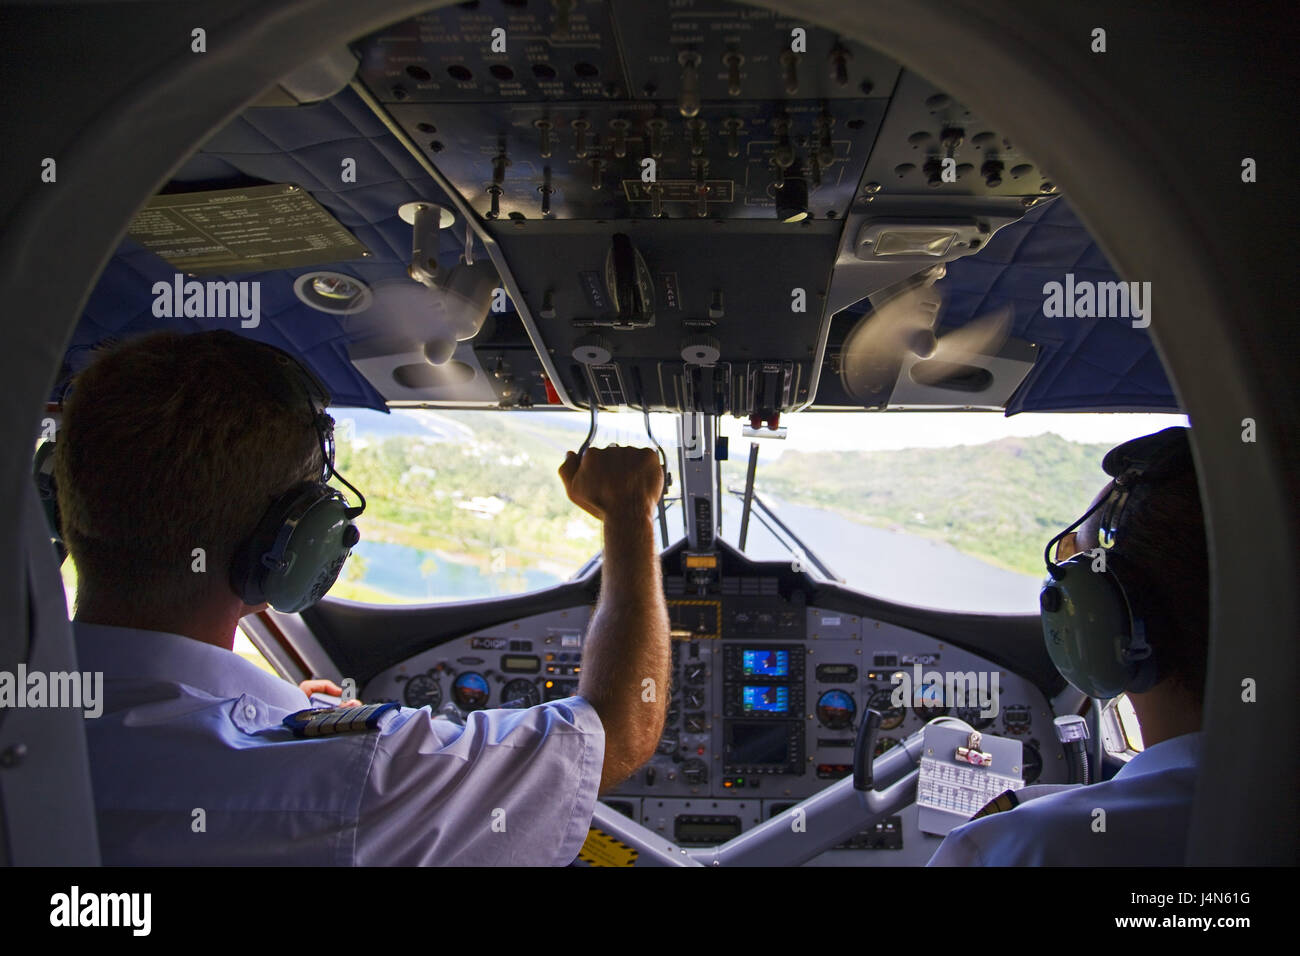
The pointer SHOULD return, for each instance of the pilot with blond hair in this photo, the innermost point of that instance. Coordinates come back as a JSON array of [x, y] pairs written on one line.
[[172, 443]]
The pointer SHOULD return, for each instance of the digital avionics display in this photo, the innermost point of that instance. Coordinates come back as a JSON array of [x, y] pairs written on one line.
[[766, 663], [758, 742], [765, 700]]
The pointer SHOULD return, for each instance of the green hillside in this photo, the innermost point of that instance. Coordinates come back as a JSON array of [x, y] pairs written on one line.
[[999, 501], [495, 488]]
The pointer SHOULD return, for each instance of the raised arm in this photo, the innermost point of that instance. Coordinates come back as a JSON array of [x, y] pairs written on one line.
[[626, 657]]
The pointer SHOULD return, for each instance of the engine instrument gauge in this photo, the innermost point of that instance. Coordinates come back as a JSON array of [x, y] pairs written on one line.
[[972, 716], [928, 702], [890, 716], [422, 691], [520, 693], [885, 743], [1032, 763]]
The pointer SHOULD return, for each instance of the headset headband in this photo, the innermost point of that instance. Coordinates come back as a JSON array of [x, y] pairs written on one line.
[[1149, 458], [318, 399]]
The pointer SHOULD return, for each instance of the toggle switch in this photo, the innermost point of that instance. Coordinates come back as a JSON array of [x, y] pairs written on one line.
[[544, 133], [698, 128], [783, 154], [654, 129], [499, 164], [825, 148], [840, 65], [580, 127], [689, 101], [790, 67], [715, 305], [733, 126], [701, 187], [618, 136], [733, 60], [656, 200], [546, 189]]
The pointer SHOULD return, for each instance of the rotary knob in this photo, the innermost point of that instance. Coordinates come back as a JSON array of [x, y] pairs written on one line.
[[701, 350], [593, 350]]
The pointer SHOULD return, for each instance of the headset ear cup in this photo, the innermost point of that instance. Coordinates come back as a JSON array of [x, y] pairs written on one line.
[[1089, 631], [269, 557], [247, 572], [298, 551]]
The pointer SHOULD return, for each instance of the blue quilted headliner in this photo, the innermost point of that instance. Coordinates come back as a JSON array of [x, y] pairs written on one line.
[[1085, 364]]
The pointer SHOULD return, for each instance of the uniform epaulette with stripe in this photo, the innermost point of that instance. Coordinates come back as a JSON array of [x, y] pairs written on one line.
[[328, 721]]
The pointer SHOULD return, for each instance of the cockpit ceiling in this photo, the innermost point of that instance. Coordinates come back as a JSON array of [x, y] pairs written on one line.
[[1074, 364]]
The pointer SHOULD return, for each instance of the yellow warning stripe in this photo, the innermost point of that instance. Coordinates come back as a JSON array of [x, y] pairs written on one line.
[[601, 849]]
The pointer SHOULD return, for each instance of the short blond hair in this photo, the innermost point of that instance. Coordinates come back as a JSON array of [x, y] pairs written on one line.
[[171, 443]]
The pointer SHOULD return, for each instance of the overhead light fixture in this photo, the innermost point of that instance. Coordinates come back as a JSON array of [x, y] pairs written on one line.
[[426, 220], [333, 292], [438, 316]]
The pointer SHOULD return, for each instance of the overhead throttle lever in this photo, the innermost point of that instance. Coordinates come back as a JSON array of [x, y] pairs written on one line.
[[591, 405]]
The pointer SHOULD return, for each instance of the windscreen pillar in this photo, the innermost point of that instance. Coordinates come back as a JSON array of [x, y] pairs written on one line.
[[701, 500]]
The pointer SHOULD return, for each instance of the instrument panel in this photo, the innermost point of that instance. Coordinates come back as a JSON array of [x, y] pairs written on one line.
[[767, 698]]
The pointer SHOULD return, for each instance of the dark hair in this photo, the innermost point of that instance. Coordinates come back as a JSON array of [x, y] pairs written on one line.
[[1160, 556], [169, 443]]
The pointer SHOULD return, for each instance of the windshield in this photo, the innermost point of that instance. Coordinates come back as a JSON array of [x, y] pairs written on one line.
[[943, 510]]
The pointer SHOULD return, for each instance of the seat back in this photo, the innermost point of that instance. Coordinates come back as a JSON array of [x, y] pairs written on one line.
[[47, 810]]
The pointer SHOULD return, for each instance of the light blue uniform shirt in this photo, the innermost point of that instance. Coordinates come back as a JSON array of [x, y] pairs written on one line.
[[1148, 806], [188, 726]]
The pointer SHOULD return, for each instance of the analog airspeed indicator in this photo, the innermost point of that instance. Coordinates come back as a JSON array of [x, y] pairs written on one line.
[[422, 691]]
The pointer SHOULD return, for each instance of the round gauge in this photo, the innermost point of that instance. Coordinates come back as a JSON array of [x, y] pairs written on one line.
[[835, 709], [470, 691], [520, 693], [972, 716], [885, 743], [890, 716], [929, 702], [1033, 763], [422, 691]]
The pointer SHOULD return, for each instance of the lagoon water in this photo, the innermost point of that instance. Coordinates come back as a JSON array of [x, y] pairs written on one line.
[[898, 567], [397, 569]]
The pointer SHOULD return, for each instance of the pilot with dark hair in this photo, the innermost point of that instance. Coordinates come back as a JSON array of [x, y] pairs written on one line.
[[1125, 609], [175, 443]]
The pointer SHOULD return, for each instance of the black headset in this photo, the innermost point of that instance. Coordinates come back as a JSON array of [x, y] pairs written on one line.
[[298, 548], [1095, 636]]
